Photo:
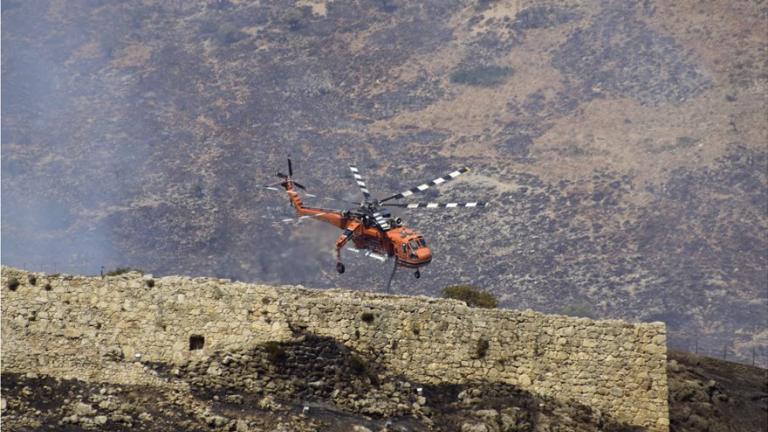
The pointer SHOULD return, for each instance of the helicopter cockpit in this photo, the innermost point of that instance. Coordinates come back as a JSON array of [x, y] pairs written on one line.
[[413, 246]]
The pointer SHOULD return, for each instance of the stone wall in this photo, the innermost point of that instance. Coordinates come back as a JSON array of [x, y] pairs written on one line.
[[62, 324]]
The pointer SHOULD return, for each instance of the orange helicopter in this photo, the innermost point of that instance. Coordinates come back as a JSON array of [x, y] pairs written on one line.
[[371, 227]]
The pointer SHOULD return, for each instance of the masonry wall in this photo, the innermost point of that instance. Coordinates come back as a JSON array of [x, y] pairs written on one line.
[[616, 367]]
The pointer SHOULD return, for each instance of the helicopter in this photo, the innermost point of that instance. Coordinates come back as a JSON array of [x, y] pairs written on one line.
[[370, 226]]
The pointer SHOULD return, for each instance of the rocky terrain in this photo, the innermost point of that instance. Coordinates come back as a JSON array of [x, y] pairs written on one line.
[[707, 394], [316, 384], [623, 145]]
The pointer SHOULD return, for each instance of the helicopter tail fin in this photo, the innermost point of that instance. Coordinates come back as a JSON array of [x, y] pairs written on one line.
[[289, 184]]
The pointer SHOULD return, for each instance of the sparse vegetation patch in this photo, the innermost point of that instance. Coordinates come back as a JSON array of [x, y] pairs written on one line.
[[482, 348], [484, 76], [472, 296], [275, 353], [122, 270], [579, 309], [13, 284]]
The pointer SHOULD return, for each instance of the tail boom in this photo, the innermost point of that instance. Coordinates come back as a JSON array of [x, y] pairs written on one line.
[[333, 217]]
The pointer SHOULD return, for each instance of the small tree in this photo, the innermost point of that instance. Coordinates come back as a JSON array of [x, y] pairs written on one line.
[[578, 309], [275, 353], [472, 296], [13, 283], [122, 270], [293, 17]]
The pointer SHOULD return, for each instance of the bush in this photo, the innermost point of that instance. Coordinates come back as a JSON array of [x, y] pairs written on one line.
[[485, 76], [150, 283], [13, 283], [293, 17], [472, 296], [275, 353], [358, 365], [229, 34], [121, 270], [48, 286], [367, 317], [482, 348], [580, 309], [32, 279]]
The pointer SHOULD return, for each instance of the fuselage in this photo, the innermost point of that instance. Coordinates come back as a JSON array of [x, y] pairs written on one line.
[[406, 245]]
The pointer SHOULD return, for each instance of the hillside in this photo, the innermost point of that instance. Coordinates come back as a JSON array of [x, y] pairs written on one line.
[[715, 395], [623, 146]]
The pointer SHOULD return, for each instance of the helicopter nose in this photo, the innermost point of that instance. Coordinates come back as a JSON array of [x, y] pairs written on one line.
[[424, 254]]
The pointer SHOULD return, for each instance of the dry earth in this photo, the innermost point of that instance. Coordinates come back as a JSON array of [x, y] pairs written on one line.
[[268, 387]]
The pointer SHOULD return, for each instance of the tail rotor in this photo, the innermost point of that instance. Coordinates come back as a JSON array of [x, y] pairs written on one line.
[[289, 178]]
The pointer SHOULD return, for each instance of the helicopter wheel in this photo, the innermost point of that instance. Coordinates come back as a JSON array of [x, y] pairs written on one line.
[[417, 274], [340, 268]]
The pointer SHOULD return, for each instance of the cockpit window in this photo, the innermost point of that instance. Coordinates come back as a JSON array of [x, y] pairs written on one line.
[[413, 244], [422, 243]]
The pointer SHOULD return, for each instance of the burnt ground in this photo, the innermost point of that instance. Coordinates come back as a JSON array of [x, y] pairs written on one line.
[[707, 394], [266, 388], [622, 145]]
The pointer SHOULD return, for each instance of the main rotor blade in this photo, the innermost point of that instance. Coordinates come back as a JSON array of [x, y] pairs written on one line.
[[290, 167], [307, 194], [300, 218], [369, 254], [422, 187], [360, 182], [439, 205]]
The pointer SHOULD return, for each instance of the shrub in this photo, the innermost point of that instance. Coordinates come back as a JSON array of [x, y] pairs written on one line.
[[275, 353], [367, 317], [48, 286], [150, 283], [358, 365], [482, 348], [293, 18], [472, 296], [485, 76], [121, 270], [228, 34], [579, 309], [32, 279], [13, 283]]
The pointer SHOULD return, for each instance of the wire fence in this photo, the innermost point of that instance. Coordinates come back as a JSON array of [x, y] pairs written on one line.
[[738, 348], [75, 267]]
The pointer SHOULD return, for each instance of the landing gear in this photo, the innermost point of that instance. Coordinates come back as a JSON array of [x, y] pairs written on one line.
[[417, 274], [340, 268]]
